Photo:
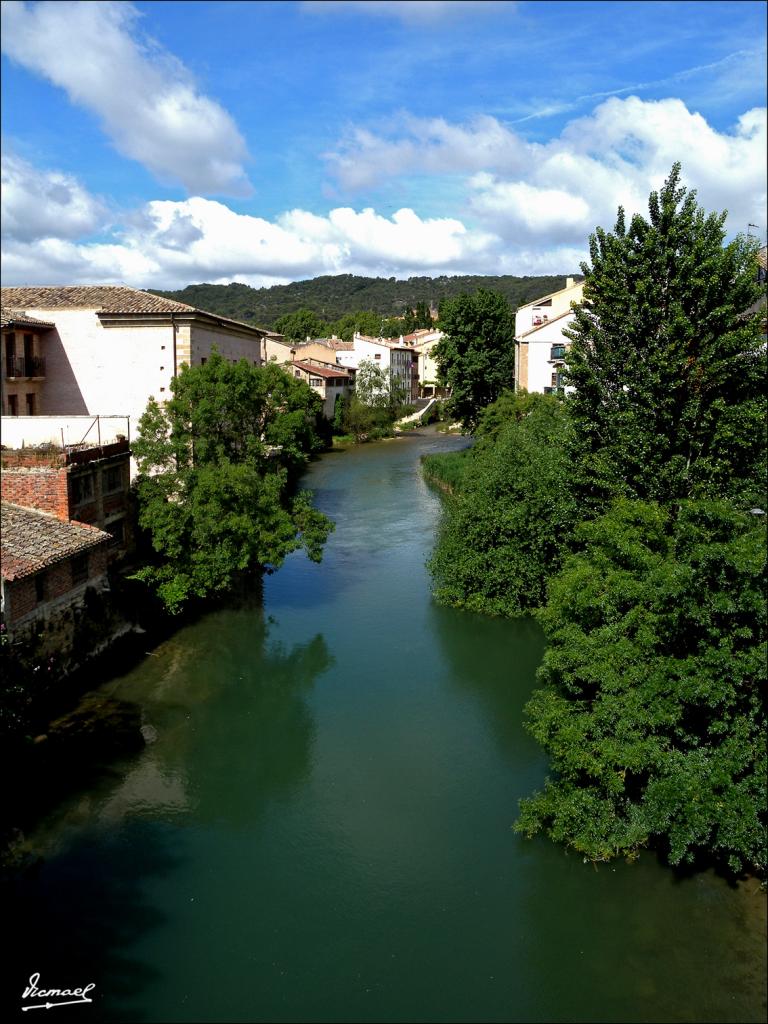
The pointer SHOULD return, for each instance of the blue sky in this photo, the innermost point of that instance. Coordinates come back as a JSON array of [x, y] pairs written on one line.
[[164, 143]]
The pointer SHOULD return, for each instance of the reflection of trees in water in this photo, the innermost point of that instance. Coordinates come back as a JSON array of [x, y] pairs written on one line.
[[256, 742], [234, 732], [73, 918], [228, 707], [495, 660]]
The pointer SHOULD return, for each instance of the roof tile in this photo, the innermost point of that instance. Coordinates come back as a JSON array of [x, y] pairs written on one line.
[[33, 540]]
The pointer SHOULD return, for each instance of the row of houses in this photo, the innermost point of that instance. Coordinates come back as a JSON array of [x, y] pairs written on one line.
[[79, 365], [408, 361]]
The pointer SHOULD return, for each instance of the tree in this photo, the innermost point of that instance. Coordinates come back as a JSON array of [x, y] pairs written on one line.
[[652, 708], [364, 321], [372, 384], [668, 371], [217, 466], [502, 530], [301, 325], [476, 356]]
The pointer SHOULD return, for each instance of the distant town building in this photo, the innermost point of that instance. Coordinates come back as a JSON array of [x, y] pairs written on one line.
[[330, 382], [540, 345]]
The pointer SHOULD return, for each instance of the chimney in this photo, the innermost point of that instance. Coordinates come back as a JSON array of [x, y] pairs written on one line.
[[569, 282]]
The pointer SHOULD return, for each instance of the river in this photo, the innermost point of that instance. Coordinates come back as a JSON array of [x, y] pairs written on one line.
[[321, 827]]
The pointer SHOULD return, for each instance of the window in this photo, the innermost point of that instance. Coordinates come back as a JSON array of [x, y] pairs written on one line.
[[79, 569], [316, 382], [555, 377], [13, 405], [377, 356], [30, 405], [203, 360], [113, 479], [557, 352], [82, 488], [297, 373], [40, 587]]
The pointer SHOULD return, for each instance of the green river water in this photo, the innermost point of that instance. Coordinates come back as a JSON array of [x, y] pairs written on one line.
[[321, 829]]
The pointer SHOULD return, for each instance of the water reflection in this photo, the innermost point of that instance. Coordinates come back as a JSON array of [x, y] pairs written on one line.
[[500, 678], [75, 916]]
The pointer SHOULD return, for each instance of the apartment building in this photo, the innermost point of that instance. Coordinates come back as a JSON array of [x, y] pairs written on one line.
[[540, 346]]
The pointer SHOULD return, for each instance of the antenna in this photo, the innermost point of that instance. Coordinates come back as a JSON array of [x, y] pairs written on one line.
[[751, 226]]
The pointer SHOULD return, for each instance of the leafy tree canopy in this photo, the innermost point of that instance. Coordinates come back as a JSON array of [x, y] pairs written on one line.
[[502, 530], [372, 384], [217, 464], [301, 325], [331, 297], [668, 373], [652, 710], [476, 356]]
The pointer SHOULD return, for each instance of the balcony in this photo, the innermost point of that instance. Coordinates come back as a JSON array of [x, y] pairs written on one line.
[[24, 366]]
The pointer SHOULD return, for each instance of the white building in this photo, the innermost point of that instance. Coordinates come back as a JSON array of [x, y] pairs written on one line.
[[540, 346], [83, 351]]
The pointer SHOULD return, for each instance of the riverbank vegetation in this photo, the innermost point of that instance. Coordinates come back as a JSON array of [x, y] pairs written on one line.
[[218, 468], [629, 517]]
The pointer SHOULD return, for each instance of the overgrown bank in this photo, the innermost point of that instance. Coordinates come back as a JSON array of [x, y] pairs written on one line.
[[630, 519]]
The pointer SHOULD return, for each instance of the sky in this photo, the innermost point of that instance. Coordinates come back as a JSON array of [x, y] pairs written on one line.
[[168, 143]]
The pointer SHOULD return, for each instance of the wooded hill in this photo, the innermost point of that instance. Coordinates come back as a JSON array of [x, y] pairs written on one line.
[[333, 296]]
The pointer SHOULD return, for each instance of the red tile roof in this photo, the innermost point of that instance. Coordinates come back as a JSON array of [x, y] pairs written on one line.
[[106, 299], [12, 317], [322, 371], [33, 540]]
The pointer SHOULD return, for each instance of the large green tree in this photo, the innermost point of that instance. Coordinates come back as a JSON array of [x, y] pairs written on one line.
[[302, 324], [652, 709], [476, 356], [668, 372], [503, 526], [217, 466]]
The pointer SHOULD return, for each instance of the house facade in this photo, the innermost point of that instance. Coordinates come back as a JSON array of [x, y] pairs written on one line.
[[540, 346], [327, 380], [23, 363], [88, 484], [394, 355], [106, 349], [424, 343]]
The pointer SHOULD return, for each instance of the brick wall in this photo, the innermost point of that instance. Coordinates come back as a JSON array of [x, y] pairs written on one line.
[[44, 488], [21, 595]]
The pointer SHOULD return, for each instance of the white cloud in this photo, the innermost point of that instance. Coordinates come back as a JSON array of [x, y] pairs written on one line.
[[410, 12], [528, 207], [144, 97], [549, 194], [170, 244], [37, 204]]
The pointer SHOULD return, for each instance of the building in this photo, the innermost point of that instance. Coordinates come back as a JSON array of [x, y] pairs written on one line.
[[23, 357], [395, 355], [424, 343], [76, 351], [327, 380], [47, 566], [87, 484], [540, 345], [275, 349]]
